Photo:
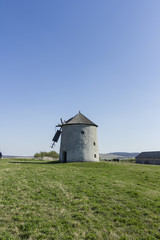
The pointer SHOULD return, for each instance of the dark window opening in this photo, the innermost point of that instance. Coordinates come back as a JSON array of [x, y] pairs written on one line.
[[82, 132], [95, 155], [94, 143]]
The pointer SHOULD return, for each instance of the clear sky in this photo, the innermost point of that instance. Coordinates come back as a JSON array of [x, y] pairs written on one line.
[[99, 57]]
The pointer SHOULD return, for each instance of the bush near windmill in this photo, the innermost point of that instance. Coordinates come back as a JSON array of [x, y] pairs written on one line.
[[47, 155]]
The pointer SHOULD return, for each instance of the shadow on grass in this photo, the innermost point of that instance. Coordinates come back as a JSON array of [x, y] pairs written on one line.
[[50, 162]]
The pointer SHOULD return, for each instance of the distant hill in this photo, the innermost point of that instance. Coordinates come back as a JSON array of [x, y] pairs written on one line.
[[10, 156], [120, 155], [126, 154]]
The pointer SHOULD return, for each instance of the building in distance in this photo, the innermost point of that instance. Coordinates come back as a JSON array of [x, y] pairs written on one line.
[[149, 158]]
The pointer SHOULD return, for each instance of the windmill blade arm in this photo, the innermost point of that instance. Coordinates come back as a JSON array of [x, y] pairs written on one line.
[[56, 136]]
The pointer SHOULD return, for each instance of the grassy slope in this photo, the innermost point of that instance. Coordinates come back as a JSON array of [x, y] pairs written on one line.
[[79, 200]]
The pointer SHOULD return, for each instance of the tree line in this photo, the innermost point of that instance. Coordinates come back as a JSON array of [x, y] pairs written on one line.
[[51, 154]]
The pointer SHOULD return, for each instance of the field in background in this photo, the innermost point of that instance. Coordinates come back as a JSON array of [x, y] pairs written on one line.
[[106, 200]]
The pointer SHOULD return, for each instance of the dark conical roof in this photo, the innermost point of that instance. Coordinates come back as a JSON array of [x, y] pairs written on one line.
[[79, 119]]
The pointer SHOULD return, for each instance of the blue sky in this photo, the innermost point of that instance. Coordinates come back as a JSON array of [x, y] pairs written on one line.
[[99, 57]]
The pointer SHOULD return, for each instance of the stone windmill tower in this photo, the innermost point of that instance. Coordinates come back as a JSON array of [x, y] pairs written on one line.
[[78, 140]]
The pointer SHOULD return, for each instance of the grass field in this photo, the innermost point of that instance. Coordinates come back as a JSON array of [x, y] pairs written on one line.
[[106, 200]]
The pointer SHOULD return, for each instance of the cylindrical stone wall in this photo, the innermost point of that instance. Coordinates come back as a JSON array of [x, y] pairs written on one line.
[[79, 144]]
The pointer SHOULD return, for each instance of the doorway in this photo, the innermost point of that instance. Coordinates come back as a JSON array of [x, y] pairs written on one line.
[[64, 156]]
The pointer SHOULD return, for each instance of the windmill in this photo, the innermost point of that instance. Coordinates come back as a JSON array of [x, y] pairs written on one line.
[[79, 141]]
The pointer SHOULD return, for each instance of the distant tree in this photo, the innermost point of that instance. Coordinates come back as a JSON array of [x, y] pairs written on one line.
[[37, 155], [0, 155]]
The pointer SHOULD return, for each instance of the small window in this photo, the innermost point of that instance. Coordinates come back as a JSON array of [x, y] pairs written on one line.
[[95, 155], [94, 143], [82, 132]]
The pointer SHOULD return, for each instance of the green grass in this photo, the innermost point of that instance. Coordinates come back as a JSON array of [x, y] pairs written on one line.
[[106, 200]]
